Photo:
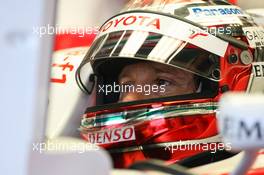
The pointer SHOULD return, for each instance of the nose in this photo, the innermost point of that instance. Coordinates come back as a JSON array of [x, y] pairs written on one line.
[[132, 96]]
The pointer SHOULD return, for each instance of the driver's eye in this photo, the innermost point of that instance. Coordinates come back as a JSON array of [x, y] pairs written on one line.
[[163, 82]]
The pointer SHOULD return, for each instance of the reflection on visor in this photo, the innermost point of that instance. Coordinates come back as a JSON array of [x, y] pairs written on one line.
[[158, 48], [159, 38]]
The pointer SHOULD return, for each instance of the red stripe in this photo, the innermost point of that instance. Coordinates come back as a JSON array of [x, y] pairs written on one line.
[[233, 1], [64, 41]]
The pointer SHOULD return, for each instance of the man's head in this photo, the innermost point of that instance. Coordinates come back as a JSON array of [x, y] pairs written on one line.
[[167, 46]]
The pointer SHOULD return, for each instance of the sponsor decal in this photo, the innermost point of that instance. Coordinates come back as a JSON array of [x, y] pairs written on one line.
[[167, 26], [112, 135], [213, 11], [64, 64], [146, 21], [240, 120], [216, 15], [243, 130], [258, 69], [256, 81], [63, 86], [255, 36]]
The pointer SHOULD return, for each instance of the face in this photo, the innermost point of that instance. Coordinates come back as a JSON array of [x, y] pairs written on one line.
[[171, 81]]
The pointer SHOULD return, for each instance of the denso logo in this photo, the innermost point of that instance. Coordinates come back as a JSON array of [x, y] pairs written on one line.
[[112, 135], [133, 20], [215, 11]]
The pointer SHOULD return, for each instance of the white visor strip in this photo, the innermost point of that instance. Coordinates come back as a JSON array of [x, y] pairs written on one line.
[[133, 44], [165, 47], [168, 26]]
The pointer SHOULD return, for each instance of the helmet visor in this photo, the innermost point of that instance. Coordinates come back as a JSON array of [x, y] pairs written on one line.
[[157, 38]]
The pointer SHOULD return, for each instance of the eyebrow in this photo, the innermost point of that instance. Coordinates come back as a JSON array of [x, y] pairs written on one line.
[[158, 69], [165, 69]]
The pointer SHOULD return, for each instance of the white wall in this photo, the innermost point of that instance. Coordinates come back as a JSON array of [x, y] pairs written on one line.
[[248, 4], [25, 63], [24, 79], [86, 12]]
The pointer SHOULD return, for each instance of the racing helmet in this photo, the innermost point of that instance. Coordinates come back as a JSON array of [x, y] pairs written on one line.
[[218, 43]]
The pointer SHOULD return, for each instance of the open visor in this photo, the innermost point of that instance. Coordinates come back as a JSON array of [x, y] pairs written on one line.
[[158, 38]]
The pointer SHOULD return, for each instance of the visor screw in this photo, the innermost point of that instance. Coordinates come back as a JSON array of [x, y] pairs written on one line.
[[88, 121], [216, 74], [246, 57], [232, 59]]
